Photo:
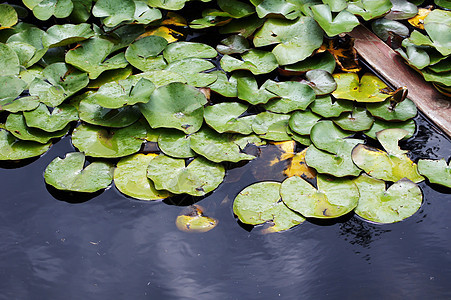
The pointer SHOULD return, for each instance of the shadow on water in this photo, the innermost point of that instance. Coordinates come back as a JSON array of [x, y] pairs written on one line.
[[15, 164], [71, 197]]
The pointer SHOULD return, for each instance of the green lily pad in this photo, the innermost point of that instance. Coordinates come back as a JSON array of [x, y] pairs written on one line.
[[110, 76], [15, 123], [244, 26], [175, 105], [210, 18], [437, 171], [380, 125], [192, 69], [31, 73], [10, 88], [438, 25], [324, 106], [403, 111], [123, 92], [302, 122], [162, 77], [192, 219], [293, 96], [260, 203], [415, 55], [301, 139], [296, 39], [385, 28], [181, 50], [357, 120], [9, 61], [91, 56], [392, 165], [130, 178], [367, 89], [25, 52], [114, 11], [69, 174], [344, 21], [59, 83], [167, 4], [271, 126], [92, 113], [21, 104], [321, 81], [333, 198], [323, 61], [145, 14], [143, 53], [217, 147], [224, 86], [98, 141], [31, 36], [277, 8], [339, 164], [15, 149], [175, 143], [198, 178], [81, 11], [401, 10], [401, 200], [248, 89], [53, 121], [8, 16], [44, 9], [225, 117], [443, 3], [328, 136], [369, 9], [236, 9], [234, 44], [442, 78], [63, 35], [441, 66], [256, 61]]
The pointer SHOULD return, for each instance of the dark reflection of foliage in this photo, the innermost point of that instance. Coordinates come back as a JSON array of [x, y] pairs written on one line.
[[359, 232], [71, 197], [14, 164], [329, 222], [183, 200], [246, 227], [428, 142]]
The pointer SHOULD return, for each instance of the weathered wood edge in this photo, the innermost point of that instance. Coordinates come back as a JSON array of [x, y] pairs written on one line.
[[392, 67]]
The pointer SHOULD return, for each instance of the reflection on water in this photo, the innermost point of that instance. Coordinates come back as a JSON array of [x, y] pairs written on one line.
[[115, 247]]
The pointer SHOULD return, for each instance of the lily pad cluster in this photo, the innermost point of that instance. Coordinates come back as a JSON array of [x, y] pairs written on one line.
[[158, 113]]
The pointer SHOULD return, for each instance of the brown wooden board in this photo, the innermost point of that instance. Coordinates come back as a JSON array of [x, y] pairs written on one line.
[[391, 66]]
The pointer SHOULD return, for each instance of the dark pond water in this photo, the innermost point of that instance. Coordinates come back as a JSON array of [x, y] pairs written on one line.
[[114, 247]]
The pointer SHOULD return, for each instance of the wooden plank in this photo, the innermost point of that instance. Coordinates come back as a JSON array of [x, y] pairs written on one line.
[[391, 66]]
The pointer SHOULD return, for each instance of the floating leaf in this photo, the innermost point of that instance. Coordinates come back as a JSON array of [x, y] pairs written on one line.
[[167, 4], [333, 198], [256, 61], [296, 39], [145, 14], [234, 44], [182, 50], [245, 26], [248, 89], [91, 56], [344, 21], [293, 96], [130, 178], [14, 149], [324, 61], [114, 11], [175, 105], [63, 35], [357, 120], [193, 219], [324, 106], [392, 165], [9, 61], [302, 122], [53, 121], [225, 117], [403, 111], [109, 76], [385, 29], [69, 174], [143, 53], [321, 81], [401, 200], [437, 171], [369, 9], [162, 77], [415, 55], [271, 126], [380, 125], [59, 83], [10, 88], [260, 203], [443, 78], [44, 9], [277, 8], [97, 141], [198, 178], [401, 10], [328, 136], [192, 69], [368, 89], [175, 143], [8, 16], [81, 11], [224, 86]]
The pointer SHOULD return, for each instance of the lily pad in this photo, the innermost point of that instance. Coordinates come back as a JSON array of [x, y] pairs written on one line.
[[248, 89], [260, 203], [328, 136], [380, 125], [323, 61], [10, 88], [339, 164], [53, 121], [193, 70], [324, 106], [296, 39], [333, 198], [344, 21], [367, 89], [15, 149], [66, 34], [130, 178], [302, 122], [392, 165], [234, 44], [181, 50], [224, 86], [192, 219], [175, 105], [321, 81], [225, 117], [145, 14], [293, 96], [98, 141], [8, 16], [175, 143], [91, 56], [70, 174], [401, 200], [271, 126], [369, 9], [244, 26], [437, 171], [59, 83], [277, 9], [9, 61], [357, 120], [114, 11], [15, 123], [403, 111], [143, 53], [198, 178], [167, 4], [123, 92], [401, 10], [110, 76], [162, 77], [256, 61], [44, 9], [385, 29]]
